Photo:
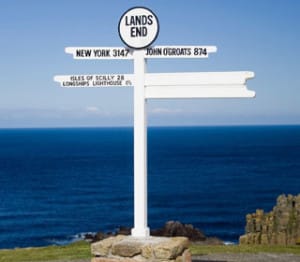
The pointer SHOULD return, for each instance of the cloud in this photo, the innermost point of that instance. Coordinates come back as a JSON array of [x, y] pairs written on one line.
[[164, 111], [92, 109], [61, 117]]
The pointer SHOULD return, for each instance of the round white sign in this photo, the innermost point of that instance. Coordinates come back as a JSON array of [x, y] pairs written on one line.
[[138, 27]]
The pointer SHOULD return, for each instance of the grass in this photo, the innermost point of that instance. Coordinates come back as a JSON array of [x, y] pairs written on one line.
[[81, 250], [78, 250], [204, 250]]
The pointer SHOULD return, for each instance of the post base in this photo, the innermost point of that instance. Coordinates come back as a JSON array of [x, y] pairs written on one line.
[[140, 232], [138, 249]]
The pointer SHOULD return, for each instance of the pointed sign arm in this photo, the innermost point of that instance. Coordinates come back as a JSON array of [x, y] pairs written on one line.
[[100, 80], [100, 52]]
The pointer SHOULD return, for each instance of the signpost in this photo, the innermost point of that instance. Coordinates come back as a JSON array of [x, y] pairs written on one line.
[[138, 29]]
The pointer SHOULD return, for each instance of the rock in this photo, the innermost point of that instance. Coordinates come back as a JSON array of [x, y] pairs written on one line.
[[136, 249], [281, 226], [100, 236], [244, 240], [105, 259], [186, 256], [175, 228], [171, 249], [264, 239], [170, 229], [127, 248], [147, 251], [102, 248], [126, 231]]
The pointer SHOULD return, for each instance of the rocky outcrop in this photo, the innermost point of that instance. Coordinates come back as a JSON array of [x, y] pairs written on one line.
[[176, 229], [281, 226], [170, 229], [130, 249]]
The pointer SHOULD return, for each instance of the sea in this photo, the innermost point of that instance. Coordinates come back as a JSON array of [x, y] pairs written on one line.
[[57, 184]]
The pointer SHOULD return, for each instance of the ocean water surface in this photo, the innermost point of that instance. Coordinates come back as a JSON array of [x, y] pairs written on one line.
[[58, 183]]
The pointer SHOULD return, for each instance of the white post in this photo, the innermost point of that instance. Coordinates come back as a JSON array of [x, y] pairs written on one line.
[[140, 148]]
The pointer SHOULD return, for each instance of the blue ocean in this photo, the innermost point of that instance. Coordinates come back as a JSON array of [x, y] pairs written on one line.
[[56, 184]]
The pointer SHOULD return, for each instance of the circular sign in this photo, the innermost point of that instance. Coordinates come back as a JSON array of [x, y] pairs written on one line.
[[138, 27]]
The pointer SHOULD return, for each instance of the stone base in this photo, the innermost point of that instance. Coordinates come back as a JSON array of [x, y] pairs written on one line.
[[136, 249]]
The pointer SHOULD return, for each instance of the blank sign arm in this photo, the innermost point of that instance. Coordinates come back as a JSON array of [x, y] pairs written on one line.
[[198, 85]]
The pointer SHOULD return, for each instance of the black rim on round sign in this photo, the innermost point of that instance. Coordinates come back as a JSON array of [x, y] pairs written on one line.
[[156, 35]]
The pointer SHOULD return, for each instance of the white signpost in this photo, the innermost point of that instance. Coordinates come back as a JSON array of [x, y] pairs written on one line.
[[138, 29]]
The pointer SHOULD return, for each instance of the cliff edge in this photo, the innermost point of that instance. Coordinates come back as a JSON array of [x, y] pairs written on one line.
[[281, 226]]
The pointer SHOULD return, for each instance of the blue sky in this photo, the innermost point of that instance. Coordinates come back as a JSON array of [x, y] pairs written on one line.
[[260, 36]]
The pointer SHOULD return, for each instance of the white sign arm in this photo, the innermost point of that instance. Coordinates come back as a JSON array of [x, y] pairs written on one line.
[[101, 80], [100, 52], [198, 85], [179, 51]]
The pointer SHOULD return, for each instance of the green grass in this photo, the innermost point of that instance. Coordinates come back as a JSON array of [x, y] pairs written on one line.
[[81, 250], [203, 250], [78, 250]]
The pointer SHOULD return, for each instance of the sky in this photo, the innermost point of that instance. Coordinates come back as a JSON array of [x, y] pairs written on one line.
[[259, 36]]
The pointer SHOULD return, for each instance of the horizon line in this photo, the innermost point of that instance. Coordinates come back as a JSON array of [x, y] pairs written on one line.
[[150, 126]]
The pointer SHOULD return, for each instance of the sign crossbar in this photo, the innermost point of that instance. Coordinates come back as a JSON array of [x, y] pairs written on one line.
[[104, 53]]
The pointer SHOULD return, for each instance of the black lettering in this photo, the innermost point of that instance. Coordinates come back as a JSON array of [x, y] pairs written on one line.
[[139, 20], [154, 51], [83, 52], [102, 52], [132, 31], [132, 21], [144, 31], [144, 20], [77, 78], [79, 53], [176, 51], [120, 52], [76, 83], [138, 31], [120, 77], [103, 83], [200, 51], [150, 21]]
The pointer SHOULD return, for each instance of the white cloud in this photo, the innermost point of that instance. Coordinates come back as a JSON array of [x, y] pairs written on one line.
[[92, 109], [164, 111]]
